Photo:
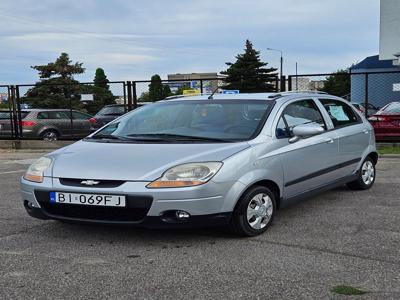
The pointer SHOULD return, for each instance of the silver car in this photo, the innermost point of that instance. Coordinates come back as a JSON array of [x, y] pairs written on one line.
[[206, 160]]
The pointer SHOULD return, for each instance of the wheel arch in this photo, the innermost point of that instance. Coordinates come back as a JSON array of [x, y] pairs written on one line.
[[374, 155], [270, 184]]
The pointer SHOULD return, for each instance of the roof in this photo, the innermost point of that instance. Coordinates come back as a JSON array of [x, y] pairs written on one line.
[[373, 62], [250, 96]]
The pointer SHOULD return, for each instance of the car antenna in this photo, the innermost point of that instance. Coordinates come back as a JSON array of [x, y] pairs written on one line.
[[212, 94]]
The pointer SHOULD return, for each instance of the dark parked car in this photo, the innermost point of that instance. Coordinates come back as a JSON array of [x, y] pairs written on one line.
[[361, 107], [109, 113], [48, 124], [386, 122]]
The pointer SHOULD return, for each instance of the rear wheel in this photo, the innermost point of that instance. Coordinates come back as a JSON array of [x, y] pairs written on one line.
[[50, 135], [366, 176], [254, 212]]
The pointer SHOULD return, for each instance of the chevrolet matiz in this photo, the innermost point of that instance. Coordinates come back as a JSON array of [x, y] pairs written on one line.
[[206, 160]]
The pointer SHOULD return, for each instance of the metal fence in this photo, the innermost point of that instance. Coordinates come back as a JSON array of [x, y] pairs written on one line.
[[372, 90], [76, 104], [65, 110]]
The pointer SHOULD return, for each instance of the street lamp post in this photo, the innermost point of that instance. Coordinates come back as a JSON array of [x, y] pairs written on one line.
[[281, 69]]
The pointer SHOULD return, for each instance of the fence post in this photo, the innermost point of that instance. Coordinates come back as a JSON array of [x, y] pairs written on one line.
[[129, 87], [366, 95], [134, 95], [201, 86], [19, 116], [14, 112], [124, 88], [283, 83], [10, 110], [289, 82]]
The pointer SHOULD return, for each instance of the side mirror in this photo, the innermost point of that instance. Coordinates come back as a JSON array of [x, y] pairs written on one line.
[[305, 130]]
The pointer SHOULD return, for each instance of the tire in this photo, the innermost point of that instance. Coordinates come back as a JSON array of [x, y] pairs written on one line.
[[49, 135], [366, 176], [258, 221]]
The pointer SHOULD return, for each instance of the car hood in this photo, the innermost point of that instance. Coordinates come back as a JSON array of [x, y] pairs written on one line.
[[135, 162]]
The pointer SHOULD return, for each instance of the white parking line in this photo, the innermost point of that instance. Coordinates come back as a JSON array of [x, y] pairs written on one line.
[[11, 172]]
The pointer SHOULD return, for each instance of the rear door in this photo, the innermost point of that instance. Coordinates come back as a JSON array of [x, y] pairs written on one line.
[[354, 136], [58, 120], [308, 162]]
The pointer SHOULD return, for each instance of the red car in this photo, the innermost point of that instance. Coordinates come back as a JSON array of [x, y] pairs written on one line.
[[386, 122]]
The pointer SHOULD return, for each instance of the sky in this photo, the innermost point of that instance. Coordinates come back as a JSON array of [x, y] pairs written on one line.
[[132, 39]]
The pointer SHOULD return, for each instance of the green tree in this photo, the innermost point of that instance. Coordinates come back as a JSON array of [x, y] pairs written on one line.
[[167, 91], [144, 97], [101, 92], [249, 74], [180, 90], [157, 90], [338, 83], [57, 87]]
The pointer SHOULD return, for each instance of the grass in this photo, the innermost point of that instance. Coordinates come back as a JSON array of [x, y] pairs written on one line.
[[388, 150], [347, 290]]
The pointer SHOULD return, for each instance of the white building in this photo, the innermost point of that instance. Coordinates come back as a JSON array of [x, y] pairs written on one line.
[[389, 43]]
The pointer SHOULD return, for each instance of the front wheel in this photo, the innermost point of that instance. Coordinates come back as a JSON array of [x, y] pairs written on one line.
[[366, 176], [254, 212]]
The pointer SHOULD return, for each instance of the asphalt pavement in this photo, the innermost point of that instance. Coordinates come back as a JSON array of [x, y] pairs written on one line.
[[341, 237]]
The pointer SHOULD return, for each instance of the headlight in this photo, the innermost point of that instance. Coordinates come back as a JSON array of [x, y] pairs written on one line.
[[185, 175], [36, 170]]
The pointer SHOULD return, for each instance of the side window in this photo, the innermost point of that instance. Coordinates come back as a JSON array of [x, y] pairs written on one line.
[[340, 113], [43, 115], [79, 116], [59, 115], [298, 113]]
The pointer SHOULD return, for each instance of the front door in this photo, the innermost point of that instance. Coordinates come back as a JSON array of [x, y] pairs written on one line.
[[309, 162]]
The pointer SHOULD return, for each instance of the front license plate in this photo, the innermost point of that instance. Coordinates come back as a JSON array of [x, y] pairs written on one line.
[[87, 199]]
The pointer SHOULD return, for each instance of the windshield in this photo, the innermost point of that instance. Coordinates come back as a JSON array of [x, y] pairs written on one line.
[[224, 120], [392, 108], [111, 110]]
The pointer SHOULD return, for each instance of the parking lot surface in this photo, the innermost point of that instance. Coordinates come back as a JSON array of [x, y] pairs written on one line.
[[339, 237]]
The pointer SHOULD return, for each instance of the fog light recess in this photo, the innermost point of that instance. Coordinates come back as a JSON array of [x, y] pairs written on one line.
[[182, 215]]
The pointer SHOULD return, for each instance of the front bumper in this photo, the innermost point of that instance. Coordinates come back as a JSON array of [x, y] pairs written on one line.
[[209, 204]]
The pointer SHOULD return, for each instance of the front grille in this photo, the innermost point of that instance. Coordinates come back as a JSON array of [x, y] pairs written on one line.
[[101, 183], [136, 209]]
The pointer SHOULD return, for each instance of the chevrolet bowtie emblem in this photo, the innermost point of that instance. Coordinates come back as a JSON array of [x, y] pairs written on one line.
[[90, 182]]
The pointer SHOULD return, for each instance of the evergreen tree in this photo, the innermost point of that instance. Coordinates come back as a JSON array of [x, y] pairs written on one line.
[[101, 92], [338, 83], [249, 74], [157, 91], [57, 87]]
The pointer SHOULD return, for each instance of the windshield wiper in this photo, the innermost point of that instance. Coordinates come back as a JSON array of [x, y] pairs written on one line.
[[106, 137], [179, 137]]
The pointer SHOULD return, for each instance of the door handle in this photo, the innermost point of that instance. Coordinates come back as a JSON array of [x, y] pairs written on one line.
[[366, 131], [329, 141]]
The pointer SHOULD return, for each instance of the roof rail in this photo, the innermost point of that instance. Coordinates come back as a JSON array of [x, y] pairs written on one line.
[[297, 92]]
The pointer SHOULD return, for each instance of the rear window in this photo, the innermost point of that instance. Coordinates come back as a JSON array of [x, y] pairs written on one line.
[[5, 115], [392, 108], [112, 111]]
